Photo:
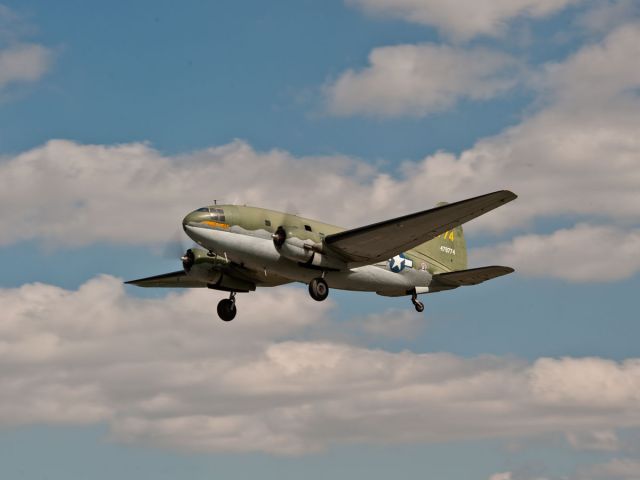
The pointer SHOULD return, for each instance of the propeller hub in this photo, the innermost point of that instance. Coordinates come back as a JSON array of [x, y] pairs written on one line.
[[188, 260], [279, 237]]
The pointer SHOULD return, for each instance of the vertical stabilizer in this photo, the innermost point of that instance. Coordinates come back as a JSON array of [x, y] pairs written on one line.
[[447, 252]]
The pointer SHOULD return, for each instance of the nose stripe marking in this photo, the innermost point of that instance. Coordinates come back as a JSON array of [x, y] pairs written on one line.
[[216, 224]]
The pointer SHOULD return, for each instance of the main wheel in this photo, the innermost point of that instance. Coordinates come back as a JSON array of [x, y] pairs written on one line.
[[318, 289], [419, 306], [227, 309]]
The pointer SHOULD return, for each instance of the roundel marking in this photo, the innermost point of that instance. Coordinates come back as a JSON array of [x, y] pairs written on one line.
[[399, 263]]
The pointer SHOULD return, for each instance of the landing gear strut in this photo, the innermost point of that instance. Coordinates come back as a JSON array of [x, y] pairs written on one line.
[[318, 289], [227, 308], [417, 303]]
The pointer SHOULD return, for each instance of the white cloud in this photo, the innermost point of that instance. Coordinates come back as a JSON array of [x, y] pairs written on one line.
[[9, 23], [578, 155], [23, 63], [589, 383], [392, 324], [420, 79], [604, 16], [501, 476], [20, 62], [165, 372], [463, 19], [576, 159], [74, 194], [427, 78], [597, 73], [599, 440], [515, 476], [616, 469], [582, 253]]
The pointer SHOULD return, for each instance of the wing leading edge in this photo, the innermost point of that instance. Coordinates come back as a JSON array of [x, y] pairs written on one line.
[[168, 280], [380, 241], [220, 281]]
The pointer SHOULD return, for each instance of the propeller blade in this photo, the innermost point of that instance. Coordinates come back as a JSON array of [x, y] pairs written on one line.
[[175, 247]]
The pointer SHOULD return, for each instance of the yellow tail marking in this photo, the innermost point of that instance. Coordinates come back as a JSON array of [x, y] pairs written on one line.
[[448, 235]]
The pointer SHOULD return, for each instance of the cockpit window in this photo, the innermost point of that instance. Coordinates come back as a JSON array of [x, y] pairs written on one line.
[[217, 215]]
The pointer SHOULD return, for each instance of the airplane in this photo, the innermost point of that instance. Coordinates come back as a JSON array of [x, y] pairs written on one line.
[[247, 247]]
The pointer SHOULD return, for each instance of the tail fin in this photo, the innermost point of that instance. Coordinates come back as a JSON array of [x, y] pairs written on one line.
[[448, 251]]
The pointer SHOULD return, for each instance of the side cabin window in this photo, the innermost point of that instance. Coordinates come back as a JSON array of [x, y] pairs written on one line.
[[308, 228], [217, 215], [267, 223]]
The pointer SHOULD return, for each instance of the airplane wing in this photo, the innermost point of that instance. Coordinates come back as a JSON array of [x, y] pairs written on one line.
[[472, 276], [168, 280], [380, 241]]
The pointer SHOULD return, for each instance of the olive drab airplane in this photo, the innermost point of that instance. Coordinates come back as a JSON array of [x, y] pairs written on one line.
[[246, 247]]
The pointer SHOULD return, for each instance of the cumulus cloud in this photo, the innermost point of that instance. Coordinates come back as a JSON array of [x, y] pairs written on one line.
[[391, 324], [463, 19], [20, 62], [420, 79], [597, 73], [73, 194], [501, 476], [582, 253], [23, 63], [616, 469], [599, 440], [517, 476], [604, 16], [164, 372], [576, 159]]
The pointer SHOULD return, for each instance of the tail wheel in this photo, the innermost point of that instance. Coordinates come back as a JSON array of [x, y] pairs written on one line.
[[419, 306], [318, 289], [227, 309]]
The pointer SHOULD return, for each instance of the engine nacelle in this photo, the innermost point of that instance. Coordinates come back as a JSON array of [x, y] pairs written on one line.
[[198, 264], [197, 257], [309, 254], [295, 249]]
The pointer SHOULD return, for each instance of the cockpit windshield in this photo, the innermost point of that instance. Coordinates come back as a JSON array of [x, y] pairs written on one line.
[[217, 215]]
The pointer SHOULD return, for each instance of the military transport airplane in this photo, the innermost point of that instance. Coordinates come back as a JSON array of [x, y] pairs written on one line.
[[246, 247]]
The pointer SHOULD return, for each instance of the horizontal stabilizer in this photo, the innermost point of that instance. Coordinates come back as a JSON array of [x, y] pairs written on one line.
[[177, 279], [473, 276], [381, 241]]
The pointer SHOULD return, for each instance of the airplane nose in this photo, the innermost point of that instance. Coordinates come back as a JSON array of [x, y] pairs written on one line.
[[185, 221], [194, 218]]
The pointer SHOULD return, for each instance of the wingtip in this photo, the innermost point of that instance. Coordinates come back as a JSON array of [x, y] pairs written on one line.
[[510, 195]]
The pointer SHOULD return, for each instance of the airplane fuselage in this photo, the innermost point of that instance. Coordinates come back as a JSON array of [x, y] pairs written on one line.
[[247, 247], [244, 235]]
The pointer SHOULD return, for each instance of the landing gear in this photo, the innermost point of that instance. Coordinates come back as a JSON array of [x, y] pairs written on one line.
[[417, 303], [318, 289], [227, 308]]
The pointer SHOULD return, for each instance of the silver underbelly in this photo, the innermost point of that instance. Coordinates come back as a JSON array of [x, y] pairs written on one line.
[[257, 252]]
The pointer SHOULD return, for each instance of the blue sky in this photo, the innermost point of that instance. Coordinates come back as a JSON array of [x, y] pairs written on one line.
[[116, 120]]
